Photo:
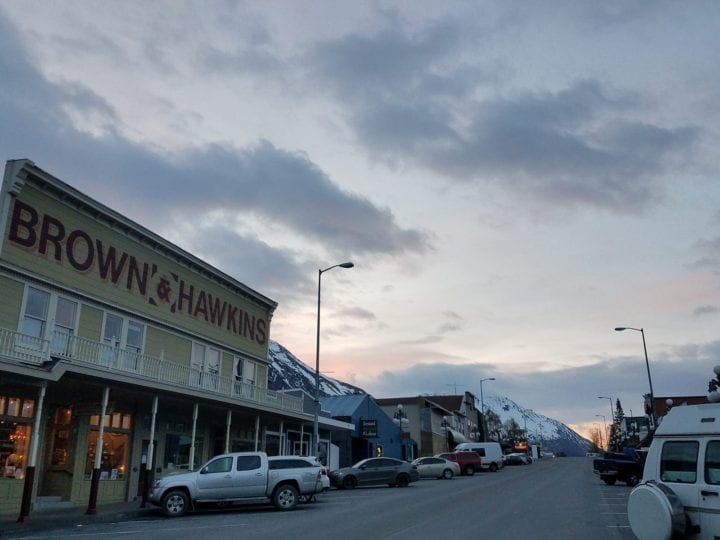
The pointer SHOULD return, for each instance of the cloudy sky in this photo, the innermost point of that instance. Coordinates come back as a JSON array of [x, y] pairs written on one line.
[[511, 179]]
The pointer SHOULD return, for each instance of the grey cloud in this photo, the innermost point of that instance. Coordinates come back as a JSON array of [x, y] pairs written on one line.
[[577, 146], [357, 313], [454, 323], [561, 146], [262, 266], [281, 187], [386, 63], [705, 310], [675, 372]]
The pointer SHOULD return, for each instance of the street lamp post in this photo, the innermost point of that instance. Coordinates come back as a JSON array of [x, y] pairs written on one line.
[[400, 415], [482, 406], [604, 426], [612, 415], [647, 366], [316, 434]]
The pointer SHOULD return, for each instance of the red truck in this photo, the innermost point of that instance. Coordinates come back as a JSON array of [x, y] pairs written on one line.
[[469, 461]]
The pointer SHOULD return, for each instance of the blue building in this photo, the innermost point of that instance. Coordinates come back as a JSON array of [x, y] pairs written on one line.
[[375, 432]]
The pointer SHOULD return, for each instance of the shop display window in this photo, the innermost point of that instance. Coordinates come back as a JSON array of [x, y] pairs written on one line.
[[114, 455], [15, 431], [114, 420], [177, 451], [116, 437]]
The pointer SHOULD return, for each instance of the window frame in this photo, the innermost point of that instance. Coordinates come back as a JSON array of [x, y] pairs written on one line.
[[674, 467]]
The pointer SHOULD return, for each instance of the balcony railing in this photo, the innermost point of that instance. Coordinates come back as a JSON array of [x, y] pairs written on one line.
[[30, 350]]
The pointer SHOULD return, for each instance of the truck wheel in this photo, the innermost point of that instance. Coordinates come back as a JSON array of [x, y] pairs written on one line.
[[609, 480], [175, 503], [349, 482], [447, 474], [286, 497], [493, 467], [469, 470], [403, 480]]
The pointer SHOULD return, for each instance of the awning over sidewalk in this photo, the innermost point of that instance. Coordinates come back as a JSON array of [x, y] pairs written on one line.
[[455, 437]]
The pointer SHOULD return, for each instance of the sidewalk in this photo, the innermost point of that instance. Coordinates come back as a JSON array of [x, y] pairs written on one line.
[[70, 517]]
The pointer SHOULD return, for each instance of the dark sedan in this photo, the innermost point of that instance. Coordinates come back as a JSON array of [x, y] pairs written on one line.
[[374, 471]]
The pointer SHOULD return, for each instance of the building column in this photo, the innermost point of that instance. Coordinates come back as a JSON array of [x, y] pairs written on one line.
[[95, 478], [191, 465], [283, 441], [147, 468], [257, 432], [32, 458], [228, 422]]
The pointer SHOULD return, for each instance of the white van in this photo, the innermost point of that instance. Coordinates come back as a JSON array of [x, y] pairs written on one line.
[[490, 452], [680, 491]]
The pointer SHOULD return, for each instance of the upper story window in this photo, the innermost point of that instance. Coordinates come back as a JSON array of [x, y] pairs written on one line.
[[65, 322], [205, 363], [123, 339], [245, 370], [48, 316], [37, 303]]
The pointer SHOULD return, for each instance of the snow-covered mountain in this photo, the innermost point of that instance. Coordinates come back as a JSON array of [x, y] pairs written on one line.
[[552, 435], [287, 371]]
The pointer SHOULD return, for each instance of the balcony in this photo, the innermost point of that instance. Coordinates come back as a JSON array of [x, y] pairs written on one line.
[[28, 350]]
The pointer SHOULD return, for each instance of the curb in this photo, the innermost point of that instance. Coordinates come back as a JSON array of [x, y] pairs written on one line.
[[39, 521]]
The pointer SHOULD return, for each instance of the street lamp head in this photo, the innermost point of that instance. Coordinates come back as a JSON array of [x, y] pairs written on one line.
[[346, 265], [620, 328], [399, 407]]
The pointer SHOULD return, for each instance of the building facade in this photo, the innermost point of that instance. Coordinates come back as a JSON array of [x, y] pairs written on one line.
[[437, 423], [121, 353], [376, 433]]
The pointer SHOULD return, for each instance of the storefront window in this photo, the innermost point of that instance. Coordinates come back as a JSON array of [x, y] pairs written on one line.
[[15, 431], [177, 451], [115, 420], [113, 458], [14, 439], [116, 437], [13, 407]]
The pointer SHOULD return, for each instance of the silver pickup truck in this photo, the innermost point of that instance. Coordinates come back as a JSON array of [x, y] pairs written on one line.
[[237, 478]]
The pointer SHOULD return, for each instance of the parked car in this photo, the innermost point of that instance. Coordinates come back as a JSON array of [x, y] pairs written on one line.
[[517, 458], [374, 471], [234, 478], [436, 467], [469, 462], [490, 452], [626, 466], [293, 462]]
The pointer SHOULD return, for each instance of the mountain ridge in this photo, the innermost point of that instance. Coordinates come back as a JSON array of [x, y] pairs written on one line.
[[286, 371]]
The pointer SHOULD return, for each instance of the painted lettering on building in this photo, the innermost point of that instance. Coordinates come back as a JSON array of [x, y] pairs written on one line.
[[48, 236]]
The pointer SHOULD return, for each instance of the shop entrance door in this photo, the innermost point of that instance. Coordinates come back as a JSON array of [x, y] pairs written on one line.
[[58, 464], [145, 465]]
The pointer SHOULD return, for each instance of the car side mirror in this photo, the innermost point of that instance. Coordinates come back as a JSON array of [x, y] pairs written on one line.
[[204, 470], [363, 467]]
